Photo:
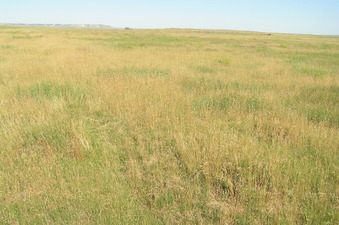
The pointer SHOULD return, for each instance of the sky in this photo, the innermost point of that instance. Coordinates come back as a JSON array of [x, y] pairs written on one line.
[[283, 16]]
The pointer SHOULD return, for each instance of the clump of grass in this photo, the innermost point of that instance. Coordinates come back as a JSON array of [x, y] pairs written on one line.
[[319, 104], [143, 72], [132, 71], [203, 84], [27, 36], [52, 91], [271, 133], [106, 71], [16, 32], [6, 46], [46, 139], [225, 102], [252, 87], [253, 104], [315, 72], [205, 69], [325, 46], [219, 103], [319, 114], [224, 61], [264, 49]]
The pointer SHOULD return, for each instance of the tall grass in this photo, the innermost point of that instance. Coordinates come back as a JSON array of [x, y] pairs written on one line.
[[167, 127]]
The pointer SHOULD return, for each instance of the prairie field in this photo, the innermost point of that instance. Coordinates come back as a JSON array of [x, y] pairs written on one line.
[[172, 126]]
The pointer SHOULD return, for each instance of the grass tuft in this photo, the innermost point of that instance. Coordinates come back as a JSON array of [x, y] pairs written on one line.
[[48, 90]]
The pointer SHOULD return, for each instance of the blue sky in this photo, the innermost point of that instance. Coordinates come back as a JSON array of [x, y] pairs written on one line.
[[286, 16]]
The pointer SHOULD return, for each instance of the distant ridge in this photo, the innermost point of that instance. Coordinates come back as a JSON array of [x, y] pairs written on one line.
[[56, 25]]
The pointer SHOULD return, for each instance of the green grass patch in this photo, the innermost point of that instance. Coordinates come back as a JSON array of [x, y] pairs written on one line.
[[282, 45], [304, 59], [315, 72], [132, 71], [224, 102], [224, 61], [204, 69], [128, 41], [46, 137], [203, 84], [6, 46], [252, 87], [27, 36], [253, 104], [219, 103], [47, 90], [263, 49], [319, 104]]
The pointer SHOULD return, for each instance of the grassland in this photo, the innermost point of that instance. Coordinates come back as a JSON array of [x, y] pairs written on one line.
[[168, 127]]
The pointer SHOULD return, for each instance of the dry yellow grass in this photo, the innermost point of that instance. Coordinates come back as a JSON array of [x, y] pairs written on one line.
[[168, 127]]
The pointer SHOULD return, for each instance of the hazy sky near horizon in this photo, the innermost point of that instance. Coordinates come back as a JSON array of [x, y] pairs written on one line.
[[286, 16]]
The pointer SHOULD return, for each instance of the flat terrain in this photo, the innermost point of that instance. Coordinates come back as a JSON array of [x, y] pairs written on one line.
[[101, 126]]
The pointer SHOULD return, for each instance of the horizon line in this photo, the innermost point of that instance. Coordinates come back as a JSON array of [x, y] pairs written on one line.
[[105, 26]]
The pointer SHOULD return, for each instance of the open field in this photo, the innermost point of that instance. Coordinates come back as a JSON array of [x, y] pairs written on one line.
[[168, 127]]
